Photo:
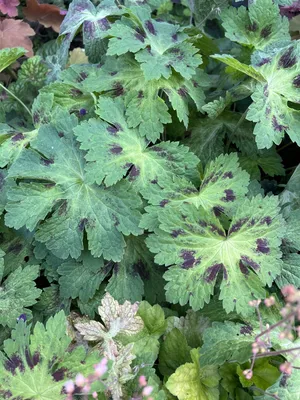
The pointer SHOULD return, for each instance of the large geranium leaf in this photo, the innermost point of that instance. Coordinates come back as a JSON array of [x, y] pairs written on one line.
[[159, 46], [223, 186], [123, 77], [37, 366], [18, 291], [55, 181], [270, 108], [258, 26], [113, 150], [192, 382], [248, 256]]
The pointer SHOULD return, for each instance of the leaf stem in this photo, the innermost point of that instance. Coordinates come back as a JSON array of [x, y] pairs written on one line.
[[277, 353], [16, 98]]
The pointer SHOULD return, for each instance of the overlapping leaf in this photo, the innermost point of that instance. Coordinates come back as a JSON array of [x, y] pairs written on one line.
[[271, 101], [18, 291], [37, 366], [192, 382], [248, 256], [159, 46], [146, 106], [262, 25], [113, 150], [223, 186], [93, 20], [55, 168]]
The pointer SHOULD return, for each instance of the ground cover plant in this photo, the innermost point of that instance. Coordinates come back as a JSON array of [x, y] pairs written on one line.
[[150, 199]]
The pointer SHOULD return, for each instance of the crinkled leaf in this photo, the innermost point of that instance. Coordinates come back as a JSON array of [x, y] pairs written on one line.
[[248, 256], [9, 56], [153, 318], [113, 150], [48, 15], [270, 109], [290, 274], [225, 342], [293, 230], [9, 7], [192, 382], [159, 46], [38, 370], [126, 282], [81, 278], [258, 26], [78, 206], [117, 319], [269, 161], [18, 291], [14, 33], [223, 186]]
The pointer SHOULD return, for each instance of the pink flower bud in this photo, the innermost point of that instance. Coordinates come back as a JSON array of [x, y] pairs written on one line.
[[80, 380], [147, 390], [286, 368], [142, 381], [95, 395], [248, 373], [270, 301], [69, 387], [86, 388]]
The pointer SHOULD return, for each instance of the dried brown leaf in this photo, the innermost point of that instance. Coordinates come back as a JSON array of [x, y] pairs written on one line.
[[15, 33], [48, 15]]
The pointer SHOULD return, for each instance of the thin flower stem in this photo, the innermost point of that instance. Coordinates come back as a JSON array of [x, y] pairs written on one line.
[[277, 353], [16, 98], [285, 146], [272, 327]]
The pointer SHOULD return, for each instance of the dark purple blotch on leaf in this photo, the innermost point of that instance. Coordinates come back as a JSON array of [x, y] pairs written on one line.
[[14, 363], [212, 272], [140, 268], [238, 224], [47, 162], [118, 89], [247, 260], [266, 220], [116, 149], [164, 202], [266, 31], [229, 195], [81, 77], [63, 208], [15, 248], [22, 317], [140, 35], [262, 246], [228, 175], [134, 173], [175, 233], [32, 361], [277, 126], [246, 330], [218, 210], [253, 27], [182, 92], [82, 224], [288, 59], [150, 27], [244, 270], [19, 136], [189, 260], [296, 82], [59, 375]]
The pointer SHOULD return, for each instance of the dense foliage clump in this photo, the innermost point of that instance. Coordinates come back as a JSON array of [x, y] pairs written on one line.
[[150, 200]]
